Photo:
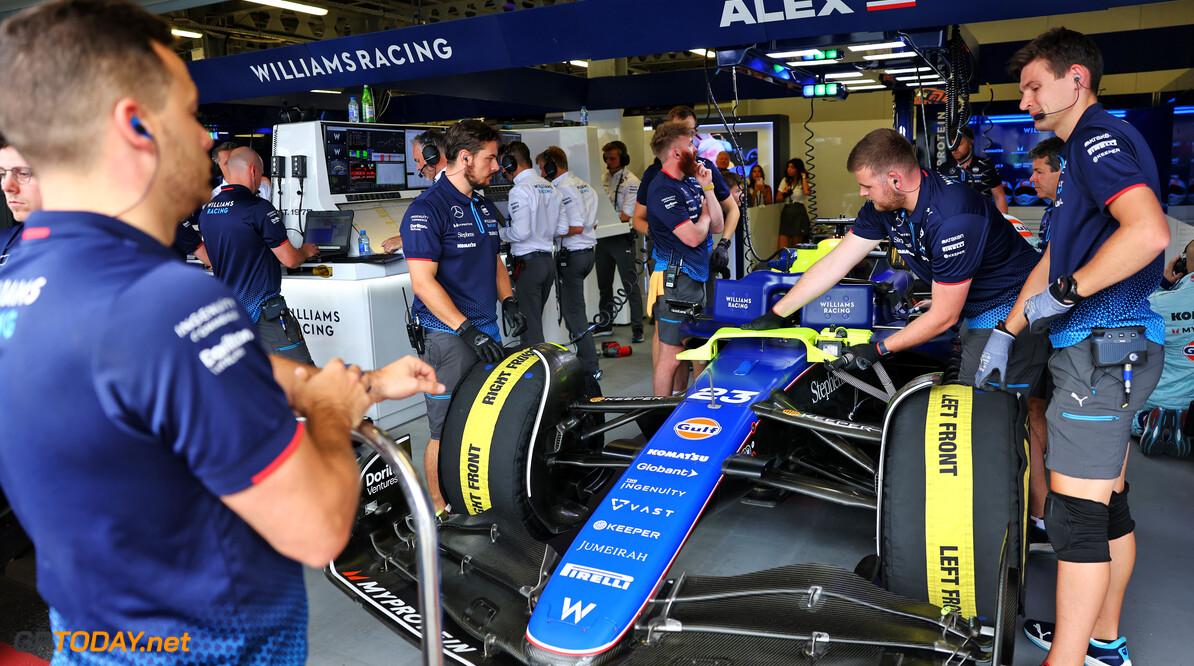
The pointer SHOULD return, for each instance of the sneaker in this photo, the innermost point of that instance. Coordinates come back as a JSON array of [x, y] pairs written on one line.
[[603, 331], [1038, 540], [1152, 430], [637, 335], [1181, 441], [1097, 653]]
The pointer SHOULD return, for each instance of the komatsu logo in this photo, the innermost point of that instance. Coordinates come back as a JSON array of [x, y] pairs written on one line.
[[737, 11], [697, 428]]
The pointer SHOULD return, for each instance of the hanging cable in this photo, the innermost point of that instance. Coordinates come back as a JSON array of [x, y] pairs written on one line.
[[809, 164], [732, 129]]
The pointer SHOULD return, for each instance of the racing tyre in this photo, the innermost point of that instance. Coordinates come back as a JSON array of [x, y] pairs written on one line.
[[499, 434], [952, 488]]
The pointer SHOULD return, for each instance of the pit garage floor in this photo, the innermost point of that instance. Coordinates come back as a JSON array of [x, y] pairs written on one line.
[[1157, 614]]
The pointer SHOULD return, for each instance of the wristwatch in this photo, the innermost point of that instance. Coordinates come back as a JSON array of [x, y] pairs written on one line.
[[1067, 289]]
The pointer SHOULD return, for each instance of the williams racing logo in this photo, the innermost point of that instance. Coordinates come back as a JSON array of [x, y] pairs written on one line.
[[697, 428]]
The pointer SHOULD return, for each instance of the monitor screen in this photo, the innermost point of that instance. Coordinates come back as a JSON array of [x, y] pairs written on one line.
[[362, 160], [329, 229]]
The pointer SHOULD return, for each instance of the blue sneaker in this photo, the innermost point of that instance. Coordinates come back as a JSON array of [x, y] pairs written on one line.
[[1150, 438], [1097, 653]]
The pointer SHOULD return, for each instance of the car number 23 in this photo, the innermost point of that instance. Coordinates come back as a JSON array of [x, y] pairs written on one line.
[[727, 396]]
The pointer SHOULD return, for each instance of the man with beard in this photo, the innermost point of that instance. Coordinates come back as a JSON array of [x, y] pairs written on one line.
[[450, 237], [247, 245], [977, 171], [682, 210], [198, 489], [950, 236]]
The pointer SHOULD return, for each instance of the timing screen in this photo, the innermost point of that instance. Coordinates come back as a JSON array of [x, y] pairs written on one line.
[[363, 160]]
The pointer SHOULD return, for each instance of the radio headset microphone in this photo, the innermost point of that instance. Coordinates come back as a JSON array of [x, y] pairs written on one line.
[[1041, 116]]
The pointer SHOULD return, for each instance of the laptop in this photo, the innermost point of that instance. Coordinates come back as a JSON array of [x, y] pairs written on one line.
[[330, 231]]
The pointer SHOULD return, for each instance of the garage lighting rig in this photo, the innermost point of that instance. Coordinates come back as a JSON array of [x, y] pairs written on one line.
[[792, 75]]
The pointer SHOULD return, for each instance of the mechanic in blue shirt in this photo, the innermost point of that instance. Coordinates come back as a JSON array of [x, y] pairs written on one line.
[[245, 241], [188, 240], [1103, 260], [965, 166], [1046, 170], [450, 237], [682, 210], [949, 235], [719, 260], [197, 490], [21, 192]]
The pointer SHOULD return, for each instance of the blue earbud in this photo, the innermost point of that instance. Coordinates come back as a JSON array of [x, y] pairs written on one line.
[[139, 128]]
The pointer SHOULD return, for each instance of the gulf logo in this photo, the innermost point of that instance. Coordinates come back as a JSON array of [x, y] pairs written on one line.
[[1188, 350], [697, 428]]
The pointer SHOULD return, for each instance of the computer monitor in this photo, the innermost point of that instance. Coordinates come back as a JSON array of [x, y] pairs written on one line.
[[331, 231], [365, 160]]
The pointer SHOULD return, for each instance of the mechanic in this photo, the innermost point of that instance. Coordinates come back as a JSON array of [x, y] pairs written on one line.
[[682, 210], [198, 489], [965, 166], [536, 212], [22, 193], [451, 246], [949, 235], [621, 187], [1162, 424], [427, 149], [1103, 259], [247, 243], [219, 157], [576, 257], [1046, 169], [188, 240]]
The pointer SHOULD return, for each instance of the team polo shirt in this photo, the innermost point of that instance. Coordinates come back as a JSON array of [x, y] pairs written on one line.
[[980, 173], [241, 229], [956, 235], [671, 203], [461, 235], [142, 398], [187, 238], [720, 189], [580, 207], [536, 213], [8, 241], [1103, 158]]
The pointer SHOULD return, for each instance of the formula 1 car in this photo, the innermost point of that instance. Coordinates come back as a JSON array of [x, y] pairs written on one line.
[[562, 549]]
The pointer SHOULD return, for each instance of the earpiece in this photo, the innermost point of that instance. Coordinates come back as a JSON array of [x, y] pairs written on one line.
[[139, 128], [1078, 80]]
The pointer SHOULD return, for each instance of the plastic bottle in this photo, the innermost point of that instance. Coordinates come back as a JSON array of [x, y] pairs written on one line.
[[354, 111], [367, 106], [584, 115], [364, 245]]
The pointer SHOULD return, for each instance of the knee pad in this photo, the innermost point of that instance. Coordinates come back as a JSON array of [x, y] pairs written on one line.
[[1119, 517], [1077, 528]]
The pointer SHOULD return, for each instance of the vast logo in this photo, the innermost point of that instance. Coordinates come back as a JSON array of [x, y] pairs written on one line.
[[578, 609], [599, 576], [697, 428], [619, 504]]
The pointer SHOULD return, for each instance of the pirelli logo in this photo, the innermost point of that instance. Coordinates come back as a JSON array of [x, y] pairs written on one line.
[[949, 499]]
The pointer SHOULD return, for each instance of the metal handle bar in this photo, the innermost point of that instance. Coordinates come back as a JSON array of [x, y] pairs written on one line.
[[426, 532]]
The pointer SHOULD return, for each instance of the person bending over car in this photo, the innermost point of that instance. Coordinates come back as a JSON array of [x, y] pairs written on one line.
[[198, 492], [949, 235]]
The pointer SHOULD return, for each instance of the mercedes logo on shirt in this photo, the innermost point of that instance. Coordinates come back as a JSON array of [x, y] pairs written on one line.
[[457, 212]]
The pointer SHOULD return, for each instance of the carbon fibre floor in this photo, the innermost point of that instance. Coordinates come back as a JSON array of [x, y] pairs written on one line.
[[1157, 611]]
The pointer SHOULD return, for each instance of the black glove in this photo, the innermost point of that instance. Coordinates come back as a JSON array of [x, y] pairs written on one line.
[[719, 258], [512, 317], [766, 322], [486, 348], [858, 357]]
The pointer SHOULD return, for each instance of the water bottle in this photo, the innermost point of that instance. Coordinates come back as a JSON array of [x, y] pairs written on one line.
[[367, 106], [363, 244], [584, 115], [354, 111]]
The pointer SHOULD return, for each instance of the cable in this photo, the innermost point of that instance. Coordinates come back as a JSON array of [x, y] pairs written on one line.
[[982, 115], [809, 163], [744, 219], [157, 163]]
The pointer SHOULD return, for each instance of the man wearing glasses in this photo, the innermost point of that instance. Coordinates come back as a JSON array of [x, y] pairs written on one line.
[[21, 192]]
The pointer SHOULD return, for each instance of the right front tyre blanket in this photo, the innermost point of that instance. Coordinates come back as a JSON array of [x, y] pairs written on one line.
[[952, 487]]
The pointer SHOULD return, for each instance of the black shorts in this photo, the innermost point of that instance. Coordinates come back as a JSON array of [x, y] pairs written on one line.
[[283, 336], [668, 323]]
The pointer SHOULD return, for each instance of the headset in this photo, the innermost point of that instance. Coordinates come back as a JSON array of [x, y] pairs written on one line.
[[623, 156], [549, 168], [1041, 116], [509, 165], [430, 154]]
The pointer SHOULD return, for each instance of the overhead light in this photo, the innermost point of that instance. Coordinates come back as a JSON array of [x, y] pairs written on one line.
[[326, 92], [922, 77], [248, 136], [876, 47], [295, 6], [867, 87], [579, 63], [843, 75], [780, 55], [907, 70], [701, 52], [810, 63], [185, 34], [888, 56], [824, 90]]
